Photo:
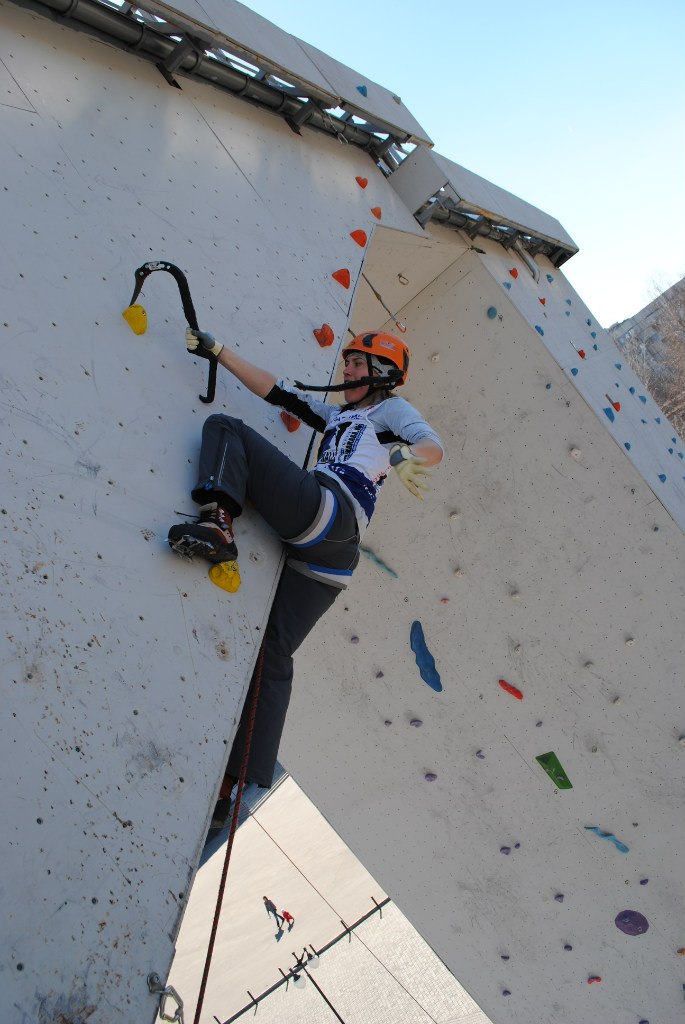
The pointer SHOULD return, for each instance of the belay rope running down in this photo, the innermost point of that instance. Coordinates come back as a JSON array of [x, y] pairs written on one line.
[[136, 317]]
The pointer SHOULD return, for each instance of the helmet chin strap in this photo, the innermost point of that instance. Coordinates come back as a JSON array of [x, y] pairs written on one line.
[[391, 381]]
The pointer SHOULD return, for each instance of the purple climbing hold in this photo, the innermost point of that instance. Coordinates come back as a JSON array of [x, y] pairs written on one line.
[[506, 992], [643, 881], [416, 723], [631, 922], [379, 675], [354, 639], [568, 947], [387, 722], [430, 776], [559, 897], [504, 956], [517, 846], [506, 850], [480, 754]]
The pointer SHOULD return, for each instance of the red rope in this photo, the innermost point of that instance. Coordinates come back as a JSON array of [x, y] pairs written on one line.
[[257, 682]]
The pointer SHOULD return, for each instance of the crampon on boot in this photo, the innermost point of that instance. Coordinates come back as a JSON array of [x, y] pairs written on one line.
[[211, 538]]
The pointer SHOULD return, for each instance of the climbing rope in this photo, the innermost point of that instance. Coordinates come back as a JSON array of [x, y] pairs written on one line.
[[136, 316], [257, 682]]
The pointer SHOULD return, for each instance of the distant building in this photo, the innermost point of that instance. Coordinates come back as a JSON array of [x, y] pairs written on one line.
[[653, 343]]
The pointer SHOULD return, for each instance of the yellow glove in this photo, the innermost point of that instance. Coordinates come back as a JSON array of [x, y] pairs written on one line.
[[195, 338], [410, 469]]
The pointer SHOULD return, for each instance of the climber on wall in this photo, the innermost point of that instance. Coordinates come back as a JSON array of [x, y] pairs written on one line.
[[319, 514]]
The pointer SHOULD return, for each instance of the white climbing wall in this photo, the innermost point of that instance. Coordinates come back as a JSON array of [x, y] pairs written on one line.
[[123, 668], [543, 558]]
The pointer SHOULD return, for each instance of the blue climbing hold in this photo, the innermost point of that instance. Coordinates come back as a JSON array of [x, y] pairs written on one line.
[[507, 285], [618, 366], [674, 440], [632, 390], [657, 419], [492, 313], [663, 477], [548, 387], [680, 455], [596, 348], [670, 451], [621, 847], [627, 445], [609, 413], [539, 329], [568, 312], [644, 421], [589, 323], [568, 302], [643, 399], [550, 277], [363, 90], [424, 658]]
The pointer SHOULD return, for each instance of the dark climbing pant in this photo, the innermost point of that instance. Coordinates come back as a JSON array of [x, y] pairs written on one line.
[[236, 462]]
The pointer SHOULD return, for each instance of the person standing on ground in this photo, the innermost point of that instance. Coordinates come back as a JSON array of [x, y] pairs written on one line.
[[321, 515], [289, 918], [271, 909]]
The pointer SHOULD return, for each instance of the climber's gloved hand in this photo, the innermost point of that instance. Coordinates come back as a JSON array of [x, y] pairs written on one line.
[[410, 469], [199, 343]]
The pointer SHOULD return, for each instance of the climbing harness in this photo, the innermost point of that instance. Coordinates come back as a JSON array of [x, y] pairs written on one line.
[[136, 317], [257, 682]]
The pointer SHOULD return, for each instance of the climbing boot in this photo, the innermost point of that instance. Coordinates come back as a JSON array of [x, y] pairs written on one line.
[[210, 538]]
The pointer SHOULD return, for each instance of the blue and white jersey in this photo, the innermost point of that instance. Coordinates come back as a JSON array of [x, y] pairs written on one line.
[[355, 449]]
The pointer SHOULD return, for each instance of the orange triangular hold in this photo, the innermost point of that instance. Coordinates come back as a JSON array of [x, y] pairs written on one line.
[[324, 335], [359, 237], [543, 301], [514, 272], [362, 182], [342, 277], [291, 422], [377, 212]]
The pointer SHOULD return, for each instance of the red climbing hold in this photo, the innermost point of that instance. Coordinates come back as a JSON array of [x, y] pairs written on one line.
[[511, 689], [616, 405], [362, 182], [291, 422], [593, 979], [543, 301], [342, 277], [324, 335], [377, 212], [359, 237], [514, 272], [581, 353]]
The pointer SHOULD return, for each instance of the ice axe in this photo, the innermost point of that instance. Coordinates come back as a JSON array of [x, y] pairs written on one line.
[[136, 317]]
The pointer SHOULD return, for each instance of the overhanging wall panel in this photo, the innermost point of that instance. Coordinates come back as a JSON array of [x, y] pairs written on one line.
[[563, 576], [123, 667]]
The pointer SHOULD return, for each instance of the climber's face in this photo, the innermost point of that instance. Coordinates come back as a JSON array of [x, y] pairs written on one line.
[[356, 368]]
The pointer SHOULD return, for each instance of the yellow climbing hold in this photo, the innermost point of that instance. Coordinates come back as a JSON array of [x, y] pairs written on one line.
[[226, 575], [136, 317]]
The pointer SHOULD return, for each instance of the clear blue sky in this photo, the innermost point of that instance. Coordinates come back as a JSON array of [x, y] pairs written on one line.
[[578, 108]]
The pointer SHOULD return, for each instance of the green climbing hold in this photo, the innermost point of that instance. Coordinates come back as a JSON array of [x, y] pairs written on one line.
[[551, 764]]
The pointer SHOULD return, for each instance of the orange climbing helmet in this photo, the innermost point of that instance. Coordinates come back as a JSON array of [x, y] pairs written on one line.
[[389, 350]]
